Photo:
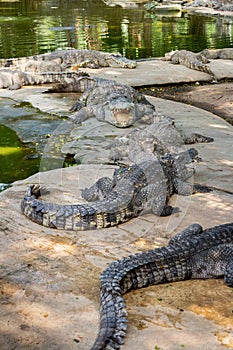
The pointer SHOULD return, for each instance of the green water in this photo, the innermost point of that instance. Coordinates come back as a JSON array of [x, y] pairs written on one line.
[[14, 162], [31, 27]]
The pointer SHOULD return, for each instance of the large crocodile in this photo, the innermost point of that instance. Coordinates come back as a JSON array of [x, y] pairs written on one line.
[[193, 253], [68, 58], [146, 186], [160, 137], [110, 101]]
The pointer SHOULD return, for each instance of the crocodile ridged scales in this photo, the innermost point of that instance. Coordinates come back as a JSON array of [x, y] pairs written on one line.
[[147, 185], [193, 253]]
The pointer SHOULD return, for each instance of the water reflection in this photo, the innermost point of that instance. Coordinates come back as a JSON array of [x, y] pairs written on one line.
[[32, 27]]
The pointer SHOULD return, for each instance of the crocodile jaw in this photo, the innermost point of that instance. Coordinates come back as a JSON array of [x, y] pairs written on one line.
[[120, 113], [123, 117]]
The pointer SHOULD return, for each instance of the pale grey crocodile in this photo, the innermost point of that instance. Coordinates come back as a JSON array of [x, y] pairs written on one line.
[[196, 61], [199, 61], [63, 59], [193, 253], [133, 189], [14, 79], [160, 138], [213, 4], [213, 54], [110, 101]]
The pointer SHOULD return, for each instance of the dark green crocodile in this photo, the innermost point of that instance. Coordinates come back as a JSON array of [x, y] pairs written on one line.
[[132, 190], [193, 253]]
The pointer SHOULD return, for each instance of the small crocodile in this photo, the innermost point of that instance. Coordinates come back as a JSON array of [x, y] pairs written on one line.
[[68, 58], [110, 101], [196, 61], [146, 186], [192, 253]]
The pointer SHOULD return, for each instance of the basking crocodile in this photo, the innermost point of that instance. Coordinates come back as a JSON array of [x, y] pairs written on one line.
[[68, 58], [196, 61], [14, 79], [160, 137], [193, 253], [147, 186], [213, 54], [212, 4], [112, 102]]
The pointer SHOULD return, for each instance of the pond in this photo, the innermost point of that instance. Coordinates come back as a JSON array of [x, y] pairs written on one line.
[[34, 27], [14, 158], [24, 134]]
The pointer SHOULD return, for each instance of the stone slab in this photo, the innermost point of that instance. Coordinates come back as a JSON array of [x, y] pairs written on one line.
[[222, 69], [159, 72], [151, 72]]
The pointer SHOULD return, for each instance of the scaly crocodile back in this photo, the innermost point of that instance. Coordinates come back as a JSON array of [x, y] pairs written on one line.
[[72, 56]]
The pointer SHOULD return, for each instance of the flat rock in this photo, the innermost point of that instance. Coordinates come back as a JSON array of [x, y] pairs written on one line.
[[50, 279], [159, 72], [151, 72]]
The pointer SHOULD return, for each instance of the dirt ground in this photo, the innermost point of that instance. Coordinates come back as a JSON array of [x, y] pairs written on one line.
[[215, 98]]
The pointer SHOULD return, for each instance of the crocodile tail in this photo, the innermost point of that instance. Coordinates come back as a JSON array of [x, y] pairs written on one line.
[[12, 62], [202, 67], [113, 322], [36, 191], [31, 206], [131, 273], [113, 314]]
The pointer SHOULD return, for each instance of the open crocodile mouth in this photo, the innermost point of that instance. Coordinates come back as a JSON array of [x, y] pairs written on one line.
[[123, 117]]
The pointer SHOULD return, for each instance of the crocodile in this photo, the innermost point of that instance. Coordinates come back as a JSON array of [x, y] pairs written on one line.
[[213, 54], [196, 61], [14, 79], [68, 58], [191, 254], [160, 137], [133, 189], [213, 4], [108, 101]]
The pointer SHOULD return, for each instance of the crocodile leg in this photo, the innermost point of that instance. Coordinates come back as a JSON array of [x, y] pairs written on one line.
[[197, 138], [192, 230]]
